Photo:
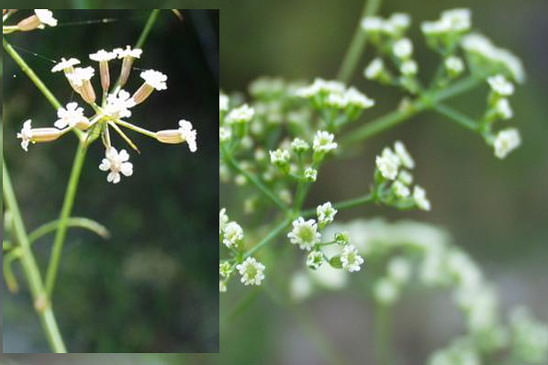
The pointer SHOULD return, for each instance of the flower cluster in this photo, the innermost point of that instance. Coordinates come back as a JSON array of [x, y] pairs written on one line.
[[39, 20], [393, 179], [114, 108], [231, 236], [307, 234]]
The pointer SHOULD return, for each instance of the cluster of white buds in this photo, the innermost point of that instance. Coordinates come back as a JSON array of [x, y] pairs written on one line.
[[388, 36], [393, 179], [231, 235], [340, 104], [307, 234], [115, 106], [444, 33]]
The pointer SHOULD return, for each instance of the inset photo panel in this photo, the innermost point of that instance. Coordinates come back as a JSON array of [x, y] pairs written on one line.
[[110, 181]]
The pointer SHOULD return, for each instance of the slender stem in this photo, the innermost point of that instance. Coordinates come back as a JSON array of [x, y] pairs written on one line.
[[133, 127], [271, 235], [254, 180], [382, 334], [424, 102], [35, 79], [30, 267], [68, 203], [457, 116], [358, 43]]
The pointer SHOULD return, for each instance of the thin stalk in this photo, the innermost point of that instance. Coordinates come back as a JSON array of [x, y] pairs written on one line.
[[357, 46], [398, 116], [79, 222], [382, 334], [30, 268], [456, 116], [134, 128], [271, 235], [68, 203]]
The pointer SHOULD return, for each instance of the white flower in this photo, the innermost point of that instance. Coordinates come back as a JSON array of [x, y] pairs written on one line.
[[46, 17], [118, 104], [128, 52], [314, 259], [323, 142], [102, 56], [419, 194], [224, 134], [116, 162], [223, 102], [409, 68], [223, 220], [326, 213], [374, 70], [225, 269], [459, 19], [320, 86], [454, 65], [400, 189], [372, 24], [304, 233], [388, 163], [385, 291], [70, 116], [156, 79], [252, 271], [242, 114], [404, 156], [232, 234], [355, 98], [336, 100], [405, 177], [400, 21], [80, 74], [310, 174], [25, 134], [503, 108], [350, 259], [299, 145], [189, 134], [506, 141], [500, 85], [222, 286], [403, 48], [65, 64], [279, 157]]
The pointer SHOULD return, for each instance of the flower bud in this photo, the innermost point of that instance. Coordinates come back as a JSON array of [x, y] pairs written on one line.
[[87, 92], [142, 93], [45, 134], [105, 75], [127, 62], [28, 24], [172, 136]]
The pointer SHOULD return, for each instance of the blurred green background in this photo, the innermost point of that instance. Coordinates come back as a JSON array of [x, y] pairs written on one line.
[[153, 286], [496, 210]]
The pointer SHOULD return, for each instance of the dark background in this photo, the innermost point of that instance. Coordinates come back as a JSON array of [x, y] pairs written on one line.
[[153, 286]]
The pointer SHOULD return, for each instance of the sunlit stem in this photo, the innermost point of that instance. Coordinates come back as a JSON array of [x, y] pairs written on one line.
[[124, 137], [146, 132]]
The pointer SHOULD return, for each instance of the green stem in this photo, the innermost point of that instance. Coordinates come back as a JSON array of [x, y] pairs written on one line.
[[68, 203], [271, 235], [253, 180], [134, 128], [30, 267], [345, 204], [358, 43], [422, 103], [456, 116], [382, 334]]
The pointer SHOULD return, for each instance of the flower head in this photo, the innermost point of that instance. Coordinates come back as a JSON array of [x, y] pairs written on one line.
[[25, 134], [242, 114], [155, 79], [506, 141], [400, 189], [65, 64], [323, 142], [70, 116], [80, 74], [374, 70], [252, 271], [299, 145], [116, 162], [223, 220], [403, 48], [304, 233], [326, 213], [500, 85], [46, 17], [118, 104], [314, 259], [223, 102], [279, 157], [232, 234], [128, 52], [189, 134], [454, 65], [310, 174], [350, 259], [102, 56], [404, 156], [503, 108], [388, 163]]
